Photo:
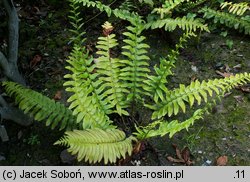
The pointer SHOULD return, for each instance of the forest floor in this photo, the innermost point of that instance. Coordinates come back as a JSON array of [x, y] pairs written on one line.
[[222, 136]]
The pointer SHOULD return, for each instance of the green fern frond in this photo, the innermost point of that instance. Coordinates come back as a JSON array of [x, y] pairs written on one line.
[[167, 7], [76, 23], [156, 84], [136, 65], [119, 13], [96, 144], [196, 91], [108, 69], [170, 24], [161, 128], [227, 19], [41, 107], [86, 101], [236, 8]]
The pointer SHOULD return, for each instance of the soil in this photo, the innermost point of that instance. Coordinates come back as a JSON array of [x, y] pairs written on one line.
[[44, 47]]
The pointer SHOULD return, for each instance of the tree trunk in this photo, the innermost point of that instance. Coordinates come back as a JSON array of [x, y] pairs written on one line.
[[9, 67]]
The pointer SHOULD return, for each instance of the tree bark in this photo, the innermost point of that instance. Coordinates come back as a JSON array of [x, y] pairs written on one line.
[[9, 64], [10, 69]]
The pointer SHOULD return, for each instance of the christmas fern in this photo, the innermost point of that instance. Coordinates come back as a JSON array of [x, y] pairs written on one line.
[[135, 61], [96, 144], [162, 127], [236, 8], [184, 23], [156, 84], [41, 107], [230, 20], [105, 84], [196, 91]]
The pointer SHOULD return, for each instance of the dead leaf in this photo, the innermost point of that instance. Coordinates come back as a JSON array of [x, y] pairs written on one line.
[[225, 74], [185, 153], [221, 161], [171, 159], [58, 95], [182, 156], [244, 89], [239, 98], [36, 59]]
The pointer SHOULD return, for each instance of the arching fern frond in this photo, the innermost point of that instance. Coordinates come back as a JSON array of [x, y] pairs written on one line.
[[156, 84], [227, 19], [93, 145], [236, 8], [161, 127], [196, 91], [86, 100], [136, 65], [76, 22], [170, 24], [41, 107]]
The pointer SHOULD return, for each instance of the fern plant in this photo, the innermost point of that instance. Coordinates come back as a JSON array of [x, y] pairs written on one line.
[[106, 84]]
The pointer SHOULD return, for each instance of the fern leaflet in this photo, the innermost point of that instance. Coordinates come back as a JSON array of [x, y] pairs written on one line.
[[195, 92], [96, 144], [170, 24], [41, 107]]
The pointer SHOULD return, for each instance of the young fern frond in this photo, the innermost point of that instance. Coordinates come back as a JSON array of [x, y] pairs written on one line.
[[167, 7], [236, 8], [170, 24], [86, 101], [96, 144], [136, 65], [41, 107], [76, 22], [108, 69], [156, 84], [196, 91], [161, 127], [227, 19]]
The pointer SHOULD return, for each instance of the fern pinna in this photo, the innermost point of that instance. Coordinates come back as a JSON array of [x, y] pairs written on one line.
[[105, 84]]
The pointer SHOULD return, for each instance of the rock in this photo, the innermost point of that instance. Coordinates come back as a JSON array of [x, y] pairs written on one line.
[[66, 157], [2, 158]]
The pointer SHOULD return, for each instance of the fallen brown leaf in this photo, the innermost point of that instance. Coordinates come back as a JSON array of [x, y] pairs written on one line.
[[182, 156], [221, 161], [225, 74], [58, 95]]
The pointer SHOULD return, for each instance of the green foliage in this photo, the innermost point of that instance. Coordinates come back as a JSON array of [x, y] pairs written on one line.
[[41, 107], [105, 84], [76, 22], [184, 23], [197, 91], [86, 101], [230, 20], [237, 8], [168, 7], [161, 127], [135, 65], [96, 144], [156, 84]]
